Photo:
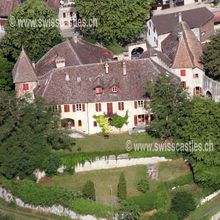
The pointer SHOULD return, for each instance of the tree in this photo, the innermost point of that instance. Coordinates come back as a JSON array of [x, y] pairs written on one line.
[[182, 203], [89, 190], [117, 21], [128, 211], [119, 121], [163, 215], [51, 164], [211, 56], [122, 187], [25, 132], [203, 130], [143, 185], [6, 82], [33, 26], [170, 106]]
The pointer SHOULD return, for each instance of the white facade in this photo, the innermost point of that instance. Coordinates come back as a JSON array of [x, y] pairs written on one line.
[[85, 122], [152, 37]]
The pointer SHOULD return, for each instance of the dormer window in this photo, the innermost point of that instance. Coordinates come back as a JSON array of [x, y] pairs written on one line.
[[25, 87], [114, 89], [98, 90]]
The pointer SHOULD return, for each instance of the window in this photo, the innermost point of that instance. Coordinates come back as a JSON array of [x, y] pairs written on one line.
[[114, 89], [71, 14], [78, 107], [64, 15], [121, 106], [141, 103], [98, 107], [98, 90], [25, 87], [183, 84], [59, 108], [196, 75], [66, 108], [154, 29], [95, 124], [79, 123], [150, 23], [149, 31], [182, 72]]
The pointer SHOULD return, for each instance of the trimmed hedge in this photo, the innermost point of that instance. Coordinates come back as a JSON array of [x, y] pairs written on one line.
[[167, 154]]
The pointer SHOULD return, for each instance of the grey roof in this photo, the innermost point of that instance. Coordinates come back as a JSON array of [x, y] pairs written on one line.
[[23, 70]]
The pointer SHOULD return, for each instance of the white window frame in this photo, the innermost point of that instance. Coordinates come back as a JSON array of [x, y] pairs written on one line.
[[78, 107]]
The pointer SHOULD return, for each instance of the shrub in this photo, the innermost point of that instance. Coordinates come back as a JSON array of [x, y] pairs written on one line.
[[89, 190], [143, 185], [163, 215], [180, 181], [51, 164], [122, 187], [128, 211], [119, 121], [182, 203]]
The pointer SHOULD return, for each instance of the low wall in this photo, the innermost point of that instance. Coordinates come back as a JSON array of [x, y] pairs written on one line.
[[55, 209], [210, 197], [113, 162]]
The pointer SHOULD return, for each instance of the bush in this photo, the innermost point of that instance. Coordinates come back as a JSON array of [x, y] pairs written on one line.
[[182, 203], [51, 164], [89, 190], [163, 215], [143, 185], [122, 187], [129, 211], [180, 181]]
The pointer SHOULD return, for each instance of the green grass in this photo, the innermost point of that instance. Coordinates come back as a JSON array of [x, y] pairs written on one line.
[[205, 211], [89, 39], [25, 214], [105, 182], [115, 48], [116, 142]]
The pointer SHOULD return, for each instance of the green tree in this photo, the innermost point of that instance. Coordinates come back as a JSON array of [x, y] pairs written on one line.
[[122, 188], [6, 82], [143, 185], [33, 26], [88, 190], [119, 121], [118, 21], [202, 130], [170, 105], [51, 164], [182, 203], [163, 215], [25, 130], [128, 211], [211, 56]]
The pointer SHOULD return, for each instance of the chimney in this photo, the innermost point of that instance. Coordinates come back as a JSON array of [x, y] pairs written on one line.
[[67, 77], [124, 69], [180, 17], [60, 62], [33, 64], [106, 68]]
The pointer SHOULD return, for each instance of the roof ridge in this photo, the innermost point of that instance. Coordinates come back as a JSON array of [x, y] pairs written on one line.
[[73, 50]]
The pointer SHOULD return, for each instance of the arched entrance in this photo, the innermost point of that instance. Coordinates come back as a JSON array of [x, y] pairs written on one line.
[[208, 94], [67, 123], [136, 52], [197, 91]]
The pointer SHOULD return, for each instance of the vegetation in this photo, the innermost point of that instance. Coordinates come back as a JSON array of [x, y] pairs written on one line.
[[103, 123], [33, 22], [117, 22], [89, 190], [143, 185], [163, 215], [211, 57], [6, 82], [51, 164], [119, 121], [122, 188], [170, 106], [182, 204], [27, 132], [128, 211]]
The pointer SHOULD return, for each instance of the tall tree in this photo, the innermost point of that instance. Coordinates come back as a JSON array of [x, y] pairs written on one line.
[[122, 188], [203, 130], [33, 25], [211, 56], [118, 21], [6, 82], [170, 106], [25, 135]]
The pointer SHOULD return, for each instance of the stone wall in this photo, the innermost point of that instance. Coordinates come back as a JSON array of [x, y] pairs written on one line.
[[55, 209]]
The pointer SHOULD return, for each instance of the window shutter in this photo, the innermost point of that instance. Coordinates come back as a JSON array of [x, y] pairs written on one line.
[[119, 106], [135, 120], [66, 108], [100, 107], [182, 72], [83, 107], [74, 108], [96, 107], [122, 106], [135, 104]]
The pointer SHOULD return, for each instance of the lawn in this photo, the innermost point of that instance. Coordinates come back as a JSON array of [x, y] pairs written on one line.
[[116, 142], [105, 182]]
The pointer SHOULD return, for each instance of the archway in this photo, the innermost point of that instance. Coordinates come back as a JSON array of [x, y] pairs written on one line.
[[209, 94], [136, 52], [67, 123]]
